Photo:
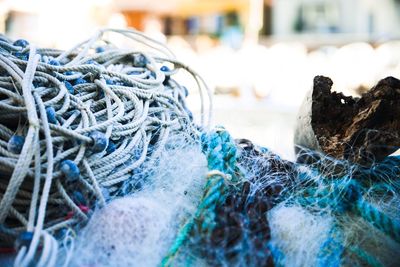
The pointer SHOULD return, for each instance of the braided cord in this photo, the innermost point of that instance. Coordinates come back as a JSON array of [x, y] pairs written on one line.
[[330, 253], [221, 153], [378, 219], [366, 257]]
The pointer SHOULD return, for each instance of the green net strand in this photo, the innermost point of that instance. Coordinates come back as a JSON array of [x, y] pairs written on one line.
[[221, 152]]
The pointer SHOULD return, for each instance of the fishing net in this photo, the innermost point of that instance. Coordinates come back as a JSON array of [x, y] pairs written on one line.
[[103, 164]]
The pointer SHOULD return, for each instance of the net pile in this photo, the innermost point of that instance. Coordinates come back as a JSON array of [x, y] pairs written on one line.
[[75, 128]]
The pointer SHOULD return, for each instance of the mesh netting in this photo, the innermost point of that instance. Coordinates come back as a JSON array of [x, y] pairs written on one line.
[[102, 164]]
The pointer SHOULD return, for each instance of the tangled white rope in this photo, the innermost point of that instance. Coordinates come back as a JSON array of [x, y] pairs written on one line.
[[75, 126]]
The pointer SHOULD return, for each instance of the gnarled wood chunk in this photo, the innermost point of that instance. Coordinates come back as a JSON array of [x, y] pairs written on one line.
[[363, 130]]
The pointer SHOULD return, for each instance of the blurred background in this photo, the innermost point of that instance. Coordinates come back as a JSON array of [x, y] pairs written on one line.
[[258, 56]]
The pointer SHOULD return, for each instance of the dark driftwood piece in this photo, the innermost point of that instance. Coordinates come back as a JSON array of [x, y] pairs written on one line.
[[362, 130]]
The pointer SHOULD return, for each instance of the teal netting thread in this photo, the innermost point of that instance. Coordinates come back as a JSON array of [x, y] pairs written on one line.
[[221, 152], [343, 197], [378, 219], [354, 201]]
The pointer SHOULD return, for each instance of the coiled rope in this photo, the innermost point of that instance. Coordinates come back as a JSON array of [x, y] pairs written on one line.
[[74, 125]]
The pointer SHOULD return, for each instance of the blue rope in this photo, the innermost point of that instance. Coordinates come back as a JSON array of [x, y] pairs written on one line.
[[344, 196], [221, 152], [378, 219], [330, 253], [367, 258], [277, 255], [341, 195]]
